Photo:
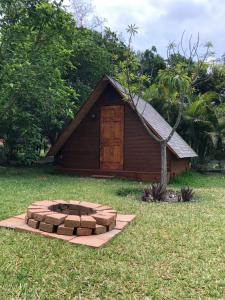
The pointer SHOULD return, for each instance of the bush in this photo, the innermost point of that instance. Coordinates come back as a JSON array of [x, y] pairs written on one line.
[[186, 194], [146, 195], [158, 192]]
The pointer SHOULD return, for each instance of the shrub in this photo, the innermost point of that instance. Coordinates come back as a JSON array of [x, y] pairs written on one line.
[[186, 194], [158, 192], [146, 195]]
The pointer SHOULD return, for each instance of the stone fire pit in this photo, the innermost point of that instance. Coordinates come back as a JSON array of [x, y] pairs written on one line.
[[74, 218], [78, 222]]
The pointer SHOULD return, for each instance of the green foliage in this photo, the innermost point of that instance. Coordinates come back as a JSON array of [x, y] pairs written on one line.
[[202, 123], [186, 194], [146, 195], [176, 80], [93, 56], [48, 67], [151, 62], [180, 86], [35, 53], [158, 192]]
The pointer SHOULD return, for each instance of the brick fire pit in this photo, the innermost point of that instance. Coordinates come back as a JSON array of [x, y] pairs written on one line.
[[78, 222], [74, 218]]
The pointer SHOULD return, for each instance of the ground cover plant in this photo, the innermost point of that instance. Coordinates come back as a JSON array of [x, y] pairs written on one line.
[[171, 251], [157, 192]]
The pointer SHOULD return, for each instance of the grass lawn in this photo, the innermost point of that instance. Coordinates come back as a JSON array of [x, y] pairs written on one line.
[[171, 251]]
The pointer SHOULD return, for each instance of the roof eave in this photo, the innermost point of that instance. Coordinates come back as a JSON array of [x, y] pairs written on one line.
[[97, 91]]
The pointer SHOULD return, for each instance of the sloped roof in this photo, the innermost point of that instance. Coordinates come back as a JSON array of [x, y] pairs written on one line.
[[159, 125], [155, 121]]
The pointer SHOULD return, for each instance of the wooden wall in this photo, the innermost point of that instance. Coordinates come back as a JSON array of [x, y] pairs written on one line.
[[179, 166], [141, 152]]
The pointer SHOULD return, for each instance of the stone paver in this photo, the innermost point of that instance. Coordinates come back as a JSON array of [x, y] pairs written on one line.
[[89, 204], [31, 211], [95, 241], [44, 203], [11, 222], [103, 207], [65, 230], [55, 219], [27, 229], [87, 222], [33, 223], [79, 222], [75, 202], [21, 216], [104, 219], [125, 218], [36, 207], [111, 226], [99, 229], [83, 231], [121, 225], [40, 216], [110, 211], [46, 227], [72, 221], [61, 201]]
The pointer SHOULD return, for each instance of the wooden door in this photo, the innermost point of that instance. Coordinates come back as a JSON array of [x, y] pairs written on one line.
[[111, 137]]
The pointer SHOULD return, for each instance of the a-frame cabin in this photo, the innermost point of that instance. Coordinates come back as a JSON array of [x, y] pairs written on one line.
[[108, 138]]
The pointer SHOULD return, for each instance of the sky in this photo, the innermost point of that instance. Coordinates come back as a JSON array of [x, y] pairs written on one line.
[[164, 21]]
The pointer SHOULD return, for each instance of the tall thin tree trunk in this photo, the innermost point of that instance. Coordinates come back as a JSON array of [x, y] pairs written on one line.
[[163, 179]]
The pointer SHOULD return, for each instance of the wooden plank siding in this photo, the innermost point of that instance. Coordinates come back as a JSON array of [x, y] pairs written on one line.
[[81, 152], [179, 166], [142, 152]]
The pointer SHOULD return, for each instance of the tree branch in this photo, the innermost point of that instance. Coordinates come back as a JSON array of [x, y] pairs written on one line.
[[180, 111]]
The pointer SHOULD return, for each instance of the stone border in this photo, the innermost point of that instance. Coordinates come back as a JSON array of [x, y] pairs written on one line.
[[96, 240], [71, 218]]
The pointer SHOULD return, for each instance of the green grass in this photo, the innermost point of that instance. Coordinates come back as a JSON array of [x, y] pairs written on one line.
[[171, 251]]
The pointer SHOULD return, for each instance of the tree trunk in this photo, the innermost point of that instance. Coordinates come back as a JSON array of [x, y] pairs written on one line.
[[163, 179]]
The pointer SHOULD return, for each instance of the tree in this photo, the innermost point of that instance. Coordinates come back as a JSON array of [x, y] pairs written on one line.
[[204, 125], [84, 14], [178, 79], [48, 67], [93, 55], [151, 62], [35, 49]]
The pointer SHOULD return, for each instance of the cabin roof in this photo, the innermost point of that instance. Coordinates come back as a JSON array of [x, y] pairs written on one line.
[[155, 121], [159, 125]]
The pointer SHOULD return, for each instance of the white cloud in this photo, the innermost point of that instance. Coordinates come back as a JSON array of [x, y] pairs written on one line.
[[161, 21]]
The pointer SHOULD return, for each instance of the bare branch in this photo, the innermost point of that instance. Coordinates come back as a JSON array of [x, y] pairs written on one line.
[[182, 45], [83, 12], [180, 111], [190, 46]]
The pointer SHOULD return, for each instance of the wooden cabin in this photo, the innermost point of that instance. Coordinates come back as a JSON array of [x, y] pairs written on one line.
[[107, 137]]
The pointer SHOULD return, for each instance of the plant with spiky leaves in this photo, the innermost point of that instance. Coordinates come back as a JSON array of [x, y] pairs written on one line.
[[187, 194]]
